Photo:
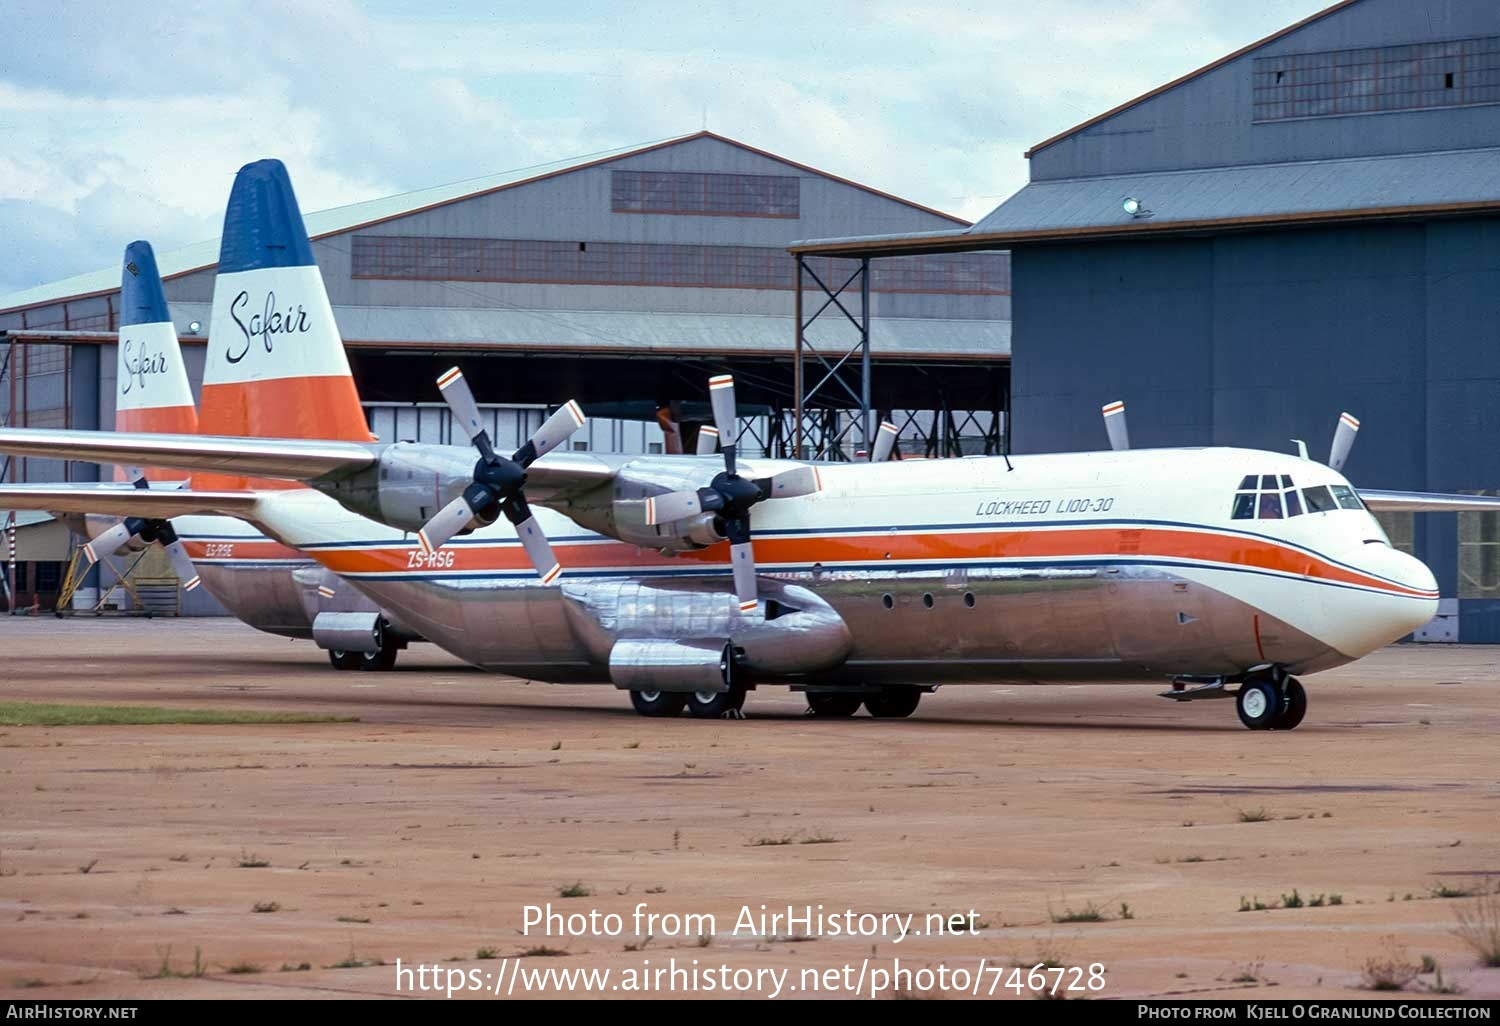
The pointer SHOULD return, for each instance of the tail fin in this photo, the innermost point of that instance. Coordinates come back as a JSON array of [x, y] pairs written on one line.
[[151, 384], [276, 366]]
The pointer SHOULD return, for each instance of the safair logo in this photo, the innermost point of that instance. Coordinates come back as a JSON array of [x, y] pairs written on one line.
[[259, 323], [140, 364]]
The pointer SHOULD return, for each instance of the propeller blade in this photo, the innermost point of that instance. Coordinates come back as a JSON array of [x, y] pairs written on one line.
[[108, 542], [1114, 423], [460, 399], [885, 442], [672, 507], [554, 432], [538, 550], [1343, 440], [791, 483], [742, 561], [449, 521], [182, 565], [137, 477], [708, 440], [721, 396]]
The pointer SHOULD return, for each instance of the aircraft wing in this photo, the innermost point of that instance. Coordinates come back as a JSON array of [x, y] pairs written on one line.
[[1427, 502], [559, 476], [247, 457], [110, 499]]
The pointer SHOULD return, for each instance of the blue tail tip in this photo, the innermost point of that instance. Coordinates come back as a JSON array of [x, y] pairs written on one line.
[[263, 224], [142, 300]]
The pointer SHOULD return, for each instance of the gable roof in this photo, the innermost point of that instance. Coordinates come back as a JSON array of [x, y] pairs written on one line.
[[1273, 37], [201, 256]]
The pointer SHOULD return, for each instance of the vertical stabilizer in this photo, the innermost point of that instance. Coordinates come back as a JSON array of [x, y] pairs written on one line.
[[151, 382]]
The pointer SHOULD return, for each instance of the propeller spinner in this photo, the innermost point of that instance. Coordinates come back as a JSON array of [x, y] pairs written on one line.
[[498, 482], [730, 496]]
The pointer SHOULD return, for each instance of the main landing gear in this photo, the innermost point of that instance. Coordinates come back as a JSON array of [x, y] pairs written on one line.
[[378, 661], [1267, 703]]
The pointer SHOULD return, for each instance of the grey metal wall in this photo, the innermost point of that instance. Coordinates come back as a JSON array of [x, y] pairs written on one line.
[[1256, 339], [1206, 122]]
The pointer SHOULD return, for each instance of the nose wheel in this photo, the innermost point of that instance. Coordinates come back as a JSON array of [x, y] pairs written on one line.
[[1266, 704]]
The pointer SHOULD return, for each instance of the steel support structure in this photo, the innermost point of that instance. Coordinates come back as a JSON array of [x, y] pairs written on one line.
[[828, 406], [829, 391]]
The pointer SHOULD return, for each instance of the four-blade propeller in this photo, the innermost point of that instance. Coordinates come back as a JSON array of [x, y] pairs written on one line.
[[498, 482], [147, 531], [729, 496]]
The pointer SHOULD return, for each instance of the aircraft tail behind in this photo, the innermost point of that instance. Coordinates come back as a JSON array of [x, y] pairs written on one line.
[[151, 384], [276, 366]]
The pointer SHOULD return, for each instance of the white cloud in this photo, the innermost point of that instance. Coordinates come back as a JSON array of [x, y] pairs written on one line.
[[124, 122]]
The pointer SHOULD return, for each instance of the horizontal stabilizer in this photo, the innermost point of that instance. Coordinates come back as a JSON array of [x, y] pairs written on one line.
[[147, 503], [293, 459]]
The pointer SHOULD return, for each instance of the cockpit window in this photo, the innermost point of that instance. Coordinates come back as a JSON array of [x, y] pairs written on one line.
[[1346, 497], [1319, 499], [1267, 497]]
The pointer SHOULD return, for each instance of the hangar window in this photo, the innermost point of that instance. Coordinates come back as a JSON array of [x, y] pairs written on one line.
[[714, 195], [1373, 80], [1479, 553], [420, 258]]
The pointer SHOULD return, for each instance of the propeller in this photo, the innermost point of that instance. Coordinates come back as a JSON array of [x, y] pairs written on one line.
[[730, 496], [1343, 440], [148, 531], [1114, 423], [708, 440], [498, 482], [885, 442]]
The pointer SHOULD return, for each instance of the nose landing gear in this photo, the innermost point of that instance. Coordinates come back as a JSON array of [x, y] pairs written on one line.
[[1271, 702]]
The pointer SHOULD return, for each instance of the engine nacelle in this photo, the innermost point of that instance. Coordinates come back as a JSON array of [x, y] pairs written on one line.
[[619, 510], [406, 487], [663, 664], [798, 633]]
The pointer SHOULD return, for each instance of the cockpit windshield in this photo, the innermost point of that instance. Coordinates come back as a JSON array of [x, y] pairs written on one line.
[[1275, 497]]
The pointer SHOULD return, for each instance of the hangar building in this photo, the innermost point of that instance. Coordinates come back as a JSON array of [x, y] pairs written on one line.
[[622, 279], [1308, 225]]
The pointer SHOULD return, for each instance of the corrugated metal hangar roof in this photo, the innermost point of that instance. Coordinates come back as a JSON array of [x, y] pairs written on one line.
[[1202, 199]]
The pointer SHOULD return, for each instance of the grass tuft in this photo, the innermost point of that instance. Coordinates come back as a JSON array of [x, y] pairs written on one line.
[[1479, 928], [1391, 970], [576, 889], [485, 954], [57, 714], [266, 906], [1089, 913], [1259, 815], [543, 951]]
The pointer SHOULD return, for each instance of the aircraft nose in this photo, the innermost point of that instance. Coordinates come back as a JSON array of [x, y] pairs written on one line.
[[1416, 576]]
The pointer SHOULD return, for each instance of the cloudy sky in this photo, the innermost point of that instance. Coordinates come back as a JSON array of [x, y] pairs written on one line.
[[124, 121]]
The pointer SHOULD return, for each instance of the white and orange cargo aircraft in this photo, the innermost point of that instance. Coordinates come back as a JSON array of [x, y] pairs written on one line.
[[1226, 572]]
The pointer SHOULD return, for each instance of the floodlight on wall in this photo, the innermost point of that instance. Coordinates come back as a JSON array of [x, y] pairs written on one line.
[[1134, 207], [194, 327]]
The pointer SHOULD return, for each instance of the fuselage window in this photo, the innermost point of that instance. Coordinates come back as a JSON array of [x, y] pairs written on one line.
[[1346, 497], [1293, 504], [1244, 505], [1270, 505], [1319, 499]]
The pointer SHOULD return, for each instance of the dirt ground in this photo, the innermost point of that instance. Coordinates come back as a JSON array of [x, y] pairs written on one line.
[[423, 830]]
